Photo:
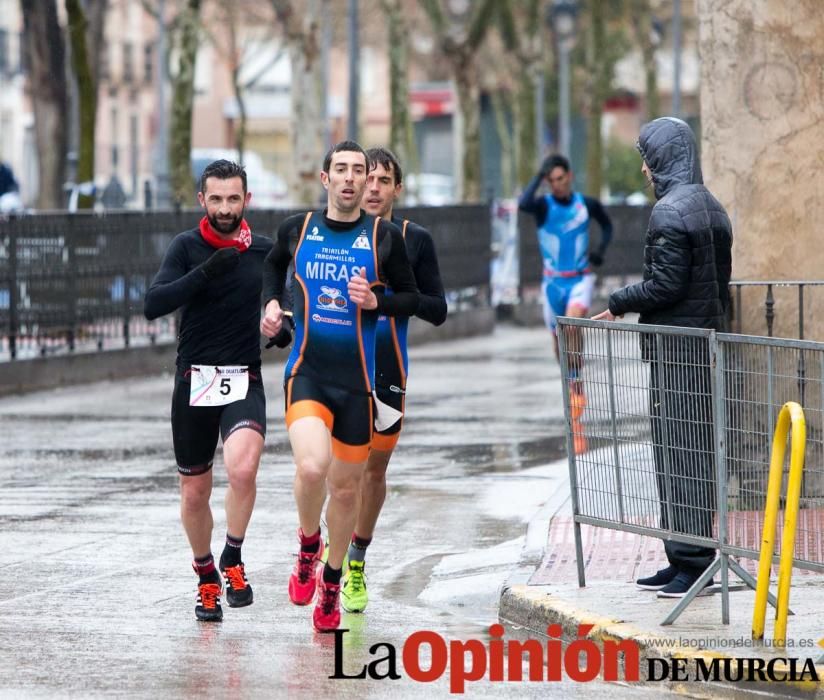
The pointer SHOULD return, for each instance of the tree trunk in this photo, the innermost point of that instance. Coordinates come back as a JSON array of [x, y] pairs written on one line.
[[400, 125], [600, 71], [506, 140], [183, 90], [96, 16], [238, 88], [240, 129], [87, 98], [462, 56], [46, 56], [640, 14], [526, 147], [466, 85], [651, 83], [302, 33]]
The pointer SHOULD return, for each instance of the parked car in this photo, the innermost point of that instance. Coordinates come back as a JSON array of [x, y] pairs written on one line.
[[269, 190], [431, 189]]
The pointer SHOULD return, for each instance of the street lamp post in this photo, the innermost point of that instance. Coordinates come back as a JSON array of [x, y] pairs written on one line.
[[354, 69], [676, 59], [562, 16], [539, 116]]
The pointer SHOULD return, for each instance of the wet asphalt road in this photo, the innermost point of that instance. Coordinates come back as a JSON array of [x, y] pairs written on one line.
[[99, 595]]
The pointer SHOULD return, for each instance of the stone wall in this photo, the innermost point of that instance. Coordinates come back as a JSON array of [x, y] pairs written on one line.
[[762, 120]]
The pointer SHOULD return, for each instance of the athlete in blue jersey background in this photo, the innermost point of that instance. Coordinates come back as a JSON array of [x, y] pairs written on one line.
[[563, 218], [343, 260]]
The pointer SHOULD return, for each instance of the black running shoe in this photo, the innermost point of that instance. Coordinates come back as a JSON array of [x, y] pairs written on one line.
[[657, 581], [678, 587], [238, 590], [208, 602]]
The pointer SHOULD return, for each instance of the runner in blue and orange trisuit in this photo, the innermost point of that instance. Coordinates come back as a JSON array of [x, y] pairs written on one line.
[[383, 186], [343, 260], [563, 217]]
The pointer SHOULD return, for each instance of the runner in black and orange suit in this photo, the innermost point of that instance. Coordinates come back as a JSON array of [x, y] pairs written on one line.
[[343, 260], [383, 186]]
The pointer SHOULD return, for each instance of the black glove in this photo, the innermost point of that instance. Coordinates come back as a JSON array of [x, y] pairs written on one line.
[[284, 336], [282, 339], [596, 259], [223, 260]]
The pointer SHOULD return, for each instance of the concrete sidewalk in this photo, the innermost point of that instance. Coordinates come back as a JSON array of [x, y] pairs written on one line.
[[544, 590]]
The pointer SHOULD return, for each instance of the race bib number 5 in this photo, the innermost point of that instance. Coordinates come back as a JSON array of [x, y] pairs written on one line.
[[218, 386]]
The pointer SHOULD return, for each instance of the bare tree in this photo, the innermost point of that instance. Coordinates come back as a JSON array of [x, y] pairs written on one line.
[[45, 55], [604, 43], [85, 37], [400, 121], [459, 42], [183, 91], [598, 72], [246, 30], [299, 20], [640, 16], [96, 11], [519, 25]]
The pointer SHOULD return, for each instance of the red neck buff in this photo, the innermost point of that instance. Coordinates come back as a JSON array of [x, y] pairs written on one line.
[[242, 242]]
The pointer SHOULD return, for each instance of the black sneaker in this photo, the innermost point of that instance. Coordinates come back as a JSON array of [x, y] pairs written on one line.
[[238, 590], [208, 602], [678, 587], [657, 581]]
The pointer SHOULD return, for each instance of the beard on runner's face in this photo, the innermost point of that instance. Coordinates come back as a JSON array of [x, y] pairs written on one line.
[[225, 225]]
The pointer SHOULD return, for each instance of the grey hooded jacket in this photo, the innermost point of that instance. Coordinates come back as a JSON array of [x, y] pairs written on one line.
[[688, 251]]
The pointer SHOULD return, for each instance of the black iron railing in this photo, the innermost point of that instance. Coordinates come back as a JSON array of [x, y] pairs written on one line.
[[776, 294], [77, 281]]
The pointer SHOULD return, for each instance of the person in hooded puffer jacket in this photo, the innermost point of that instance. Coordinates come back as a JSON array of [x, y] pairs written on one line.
[[687, 267]]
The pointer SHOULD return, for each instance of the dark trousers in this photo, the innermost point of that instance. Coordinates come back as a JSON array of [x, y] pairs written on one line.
[[684, 454]]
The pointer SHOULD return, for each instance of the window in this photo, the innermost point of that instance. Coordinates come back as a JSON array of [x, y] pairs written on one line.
[[128, 63], [148, 63], [5, 67], [104, 73]]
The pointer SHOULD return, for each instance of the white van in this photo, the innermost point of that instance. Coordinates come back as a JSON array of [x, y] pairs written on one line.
[[269, 190]]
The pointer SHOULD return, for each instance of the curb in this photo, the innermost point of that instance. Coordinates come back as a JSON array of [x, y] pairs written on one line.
[[534, 610]]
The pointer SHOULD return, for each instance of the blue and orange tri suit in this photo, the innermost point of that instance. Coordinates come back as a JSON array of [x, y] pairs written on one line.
[[563, 237], [330, 372], [391, 355]]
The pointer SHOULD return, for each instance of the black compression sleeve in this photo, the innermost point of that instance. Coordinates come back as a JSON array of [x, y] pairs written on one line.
[[431, 297], [597, 212], [276, 263], [174, 284], [532, 204], [398, 273]]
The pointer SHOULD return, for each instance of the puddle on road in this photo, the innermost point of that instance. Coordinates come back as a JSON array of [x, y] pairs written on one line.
[[495, 458], [511, 457]]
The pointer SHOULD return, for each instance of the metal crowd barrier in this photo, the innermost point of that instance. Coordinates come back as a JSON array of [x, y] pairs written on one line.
[[677, 430]]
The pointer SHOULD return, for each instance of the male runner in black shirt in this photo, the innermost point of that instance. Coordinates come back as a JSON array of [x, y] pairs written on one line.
[[213, 274], [343, 259], [383, 186]]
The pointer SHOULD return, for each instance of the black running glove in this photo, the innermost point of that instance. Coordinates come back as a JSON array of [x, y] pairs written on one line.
[[222, 261], [281, 340], [283, 337], [596, 259]]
